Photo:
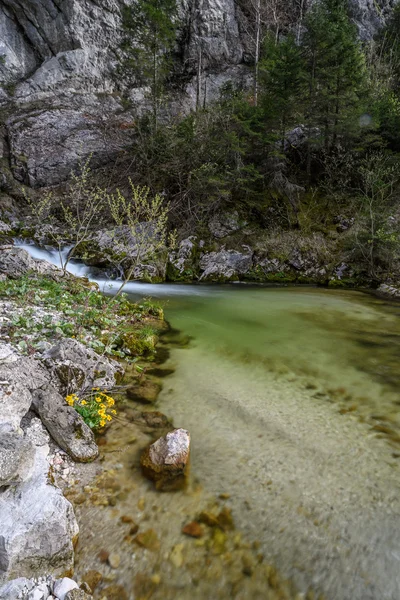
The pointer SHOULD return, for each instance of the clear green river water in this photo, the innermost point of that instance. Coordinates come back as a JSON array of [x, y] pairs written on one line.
[[291, 396]]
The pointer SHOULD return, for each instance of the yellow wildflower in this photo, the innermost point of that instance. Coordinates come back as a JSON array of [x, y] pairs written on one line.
[[109, 418], [114, 412], [98, 399], [83, 402], [102, 423], [110, 401], [102, 406]]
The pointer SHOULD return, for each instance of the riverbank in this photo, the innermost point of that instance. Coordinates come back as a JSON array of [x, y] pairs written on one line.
[[59, 335]]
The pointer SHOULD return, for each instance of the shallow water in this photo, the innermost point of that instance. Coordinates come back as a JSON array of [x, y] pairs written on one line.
[[291, 396]]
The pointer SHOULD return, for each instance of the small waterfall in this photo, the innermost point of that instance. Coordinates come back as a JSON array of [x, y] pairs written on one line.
[[105, 283]]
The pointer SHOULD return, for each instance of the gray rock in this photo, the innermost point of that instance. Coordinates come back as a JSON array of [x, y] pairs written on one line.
[[65, 425], [16, 262], [225, 224], [226, 264], [13, 589], [80, 368], [40, 592], [38, 525], [166, 461], [389, 290], [136, 247], [16, 458], [26, 382], [63, 586], [47, 147], [182, 260], [17, 374]]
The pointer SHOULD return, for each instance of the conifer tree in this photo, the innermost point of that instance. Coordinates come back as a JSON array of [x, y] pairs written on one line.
[[283, 78], [335, 69], [150, 31]]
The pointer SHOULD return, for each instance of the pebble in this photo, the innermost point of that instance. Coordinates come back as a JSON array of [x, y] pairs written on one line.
[[193, 529], [63, 586], [114, 560], [176, 555], [103, 556]]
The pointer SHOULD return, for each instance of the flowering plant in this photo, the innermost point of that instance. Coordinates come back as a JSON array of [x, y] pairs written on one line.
[[95, 407]]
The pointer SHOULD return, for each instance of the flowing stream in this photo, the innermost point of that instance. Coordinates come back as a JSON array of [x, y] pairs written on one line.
[[291, 396]]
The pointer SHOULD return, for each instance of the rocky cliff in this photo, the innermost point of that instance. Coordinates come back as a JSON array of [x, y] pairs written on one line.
[[59, 96]]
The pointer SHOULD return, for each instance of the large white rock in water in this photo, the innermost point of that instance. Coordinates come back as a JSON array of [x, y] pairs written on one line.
[[166, 462], [38, 526]]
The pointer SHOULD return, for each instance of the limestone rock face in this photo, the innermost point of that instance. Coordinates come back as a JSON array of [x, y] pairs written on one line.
[[58, 78], [166, 462]]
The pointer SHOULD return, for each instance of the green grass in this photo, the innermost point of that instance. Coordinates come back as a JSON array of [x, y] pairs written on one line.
[[71, 308]]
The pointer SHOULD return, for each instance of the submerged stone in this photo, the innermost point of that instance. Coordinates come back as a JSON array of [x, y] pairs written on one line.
[[193, 529], [166, 462], [145, 393], [148, 539]]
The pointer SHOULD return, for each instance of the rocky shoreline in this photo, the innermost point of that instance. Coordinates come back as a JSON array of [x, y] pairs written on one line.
[[39, 431]]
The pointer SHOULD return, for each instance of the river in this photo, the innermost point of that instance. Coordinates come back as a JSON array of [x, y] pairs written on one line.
[[291, 396]]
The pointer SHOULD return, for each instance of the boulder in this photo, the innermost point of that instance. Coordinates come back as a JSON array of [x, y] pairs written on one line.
[[16, 262], [166, 462], [226, 264], [65, 425], [77, 367], [16, 458], [17, 377], [14, 590], [38, 526], [389, 290]]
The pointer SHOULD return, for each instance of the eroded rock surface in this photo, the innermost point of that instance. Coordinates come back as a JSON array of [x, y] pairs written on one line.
[[77, 367], [38, 525], [16, 458], [15, 262], [166, 462], [226, 264]]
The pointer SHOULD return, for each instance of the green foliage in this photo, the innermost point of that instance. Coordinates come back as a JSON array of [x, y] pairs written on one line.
[[69, 309], [95, 407], [150, 30], [282, 77], [335, 74], [80, 211]]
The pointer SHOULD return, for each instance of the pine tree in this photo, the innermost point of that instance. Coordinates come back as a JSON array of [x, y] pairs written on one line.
[[150, 32], [283, 82], [335, 69]]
